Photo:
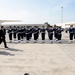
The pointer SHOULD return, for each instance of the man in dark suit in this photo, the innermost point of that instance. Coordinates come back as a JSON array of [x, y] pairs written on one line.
[[2, 36]]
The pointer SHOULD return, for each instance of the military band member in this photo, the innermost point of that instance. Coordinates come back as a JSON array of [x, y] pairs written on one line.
[[50, 33], [14, 33], [43, 31], [71, 31], [59, 34], [10, 32], [36, 33]]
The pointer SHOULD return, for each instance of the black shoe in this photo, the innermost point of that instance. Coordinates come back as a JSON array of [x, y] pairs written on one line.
[[6, 47]]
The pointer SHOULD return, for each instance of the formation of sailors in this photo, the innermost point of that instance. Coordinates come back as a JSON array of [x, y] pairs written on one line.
[[19, 33]]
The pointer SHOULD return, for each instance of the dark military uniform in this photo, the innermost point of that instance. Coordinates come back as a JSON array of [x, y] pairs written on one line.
[[55, 32], [22, 33], [59, 34], [31, 31], [10, 31], [14, 33], [74, 33], [19, 34], [28, 34], [71, 32], [36, 34], [50, 33], [43, 31]]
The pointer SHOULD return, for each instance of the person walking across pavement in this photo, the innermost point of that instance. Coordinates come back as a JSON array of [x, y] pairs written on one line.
[[2, 36]]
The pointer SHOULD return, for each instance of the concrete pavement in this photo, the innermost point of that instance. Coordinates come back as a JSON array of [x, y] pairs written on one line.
[[38, 59]]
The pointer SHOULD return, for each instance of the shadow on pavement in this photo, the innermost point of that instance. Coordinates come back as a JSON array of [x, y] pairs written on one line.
[[6, 53], [13, 42], [12, 49]]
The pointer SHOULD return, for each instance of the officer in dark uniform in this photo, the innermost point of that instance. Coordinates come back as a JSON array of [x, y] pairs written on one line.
[[31, 31], [43, 31], [28, 34], [19, 34], [71, 32], [22, 33], [74, 33], [2, 36], [10, 32], [36, 33], [50, 33], [14, 32], [55, 31], [59, 34]]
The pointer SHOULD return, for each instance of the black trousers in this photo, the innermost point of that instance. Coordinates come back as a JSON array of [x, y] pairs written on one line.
[[55, 35], [19, 36], [74, 35], [27, 37], [30, 35], [43, 36], [0, 40], [51, 36], [59, 36], [5, 45], [14, 35], [36, 36], [22, 35], [10, 36], [4, 41], [71, 36]]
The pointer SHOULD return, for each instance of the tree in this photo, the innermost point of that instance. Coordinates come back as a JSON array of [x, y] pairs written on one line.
[[47, 24]]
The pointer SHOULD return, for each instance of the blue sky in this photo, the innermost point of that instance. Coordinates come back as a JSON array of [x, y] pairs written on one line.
[[38, 11]]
